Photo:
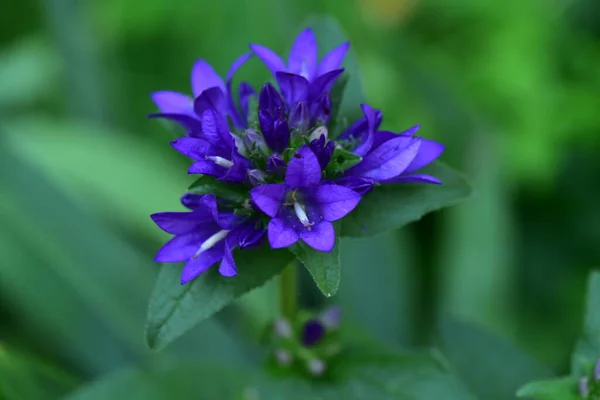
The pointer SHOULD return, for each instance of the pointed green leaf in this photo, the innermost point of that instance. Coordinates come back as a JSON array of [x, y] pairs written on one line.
[[393, 206], [341, 160], [324, 267], [551, 389], [176, 308], [209, 185], [462, 343], [587, 350]]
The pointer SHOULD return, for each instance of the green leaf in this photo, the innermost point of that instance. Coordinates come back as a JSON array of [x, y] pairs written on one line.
[[330, 35], [209, 185], [337, 96], [587, 350], [551, 389], [325, 268], [341, 160], [392, 206], [510, 368], [176, 308], [415, 376]]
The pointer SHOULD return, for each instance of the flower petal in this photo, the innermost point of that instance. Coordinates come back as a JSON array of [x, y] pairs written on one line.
[[205, 260], [237, 118], [359, 184], [249, 235], [173, 102], [320, 237], [384, 136], [227, 267], [181, 248], [211, 98], [303, 56], [293, 87], [204, 77], [323, 83], [216, 129], [303, 169], [388, 160], [207, 167], [181, 223], [280, 234], [273, 62], [367, 139], [414, 178], [245, 92], [336, 201], [269, 198], [192, 124], [333, 59], [196, 148], [428, 152]]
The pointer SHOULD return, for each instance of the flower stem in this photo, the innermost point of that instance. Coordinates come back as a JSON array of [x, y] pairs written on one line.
[[288, 291]]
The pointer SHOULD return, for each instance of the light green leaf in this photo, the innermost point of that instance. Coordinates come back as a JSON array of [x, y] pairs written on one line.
[[551, 389], [176, 308], [491, 367], [325, 268], [337, 96], [587, 350], [341, 160], [392, 206]]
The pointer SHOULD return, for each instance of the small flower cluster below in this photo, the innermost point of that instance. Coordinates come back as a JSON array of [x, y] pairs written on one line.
[[274, 169], [589, 386]]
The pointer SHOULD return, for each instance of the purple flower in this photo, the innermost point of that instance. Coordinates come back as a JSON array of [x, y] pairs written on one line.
[[303, 57], [214, 151], [362, 132], [392, 158], [303, 78], [323, 149], [203, 237], [208, 88], [272, 117], [304, 207]]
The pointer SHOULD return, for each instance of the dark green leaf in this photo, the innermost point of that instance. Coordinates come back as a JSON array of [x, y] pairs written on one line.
[[209, 185], [368, 377], [330, 35], [342, 160], [324, 267], [337, 96], [392, 206], [552, 389], [176, 308], [510, 368], [587, 350]]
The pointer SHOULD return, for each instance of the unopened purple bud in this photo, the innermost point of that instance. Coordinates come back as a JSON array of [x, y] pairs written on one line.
[[331, 317], [321, 109], [318, 132], [191, 200], [283, 357], [282, 328], [316, 367], [256, 177], [281, 135], [299, 116], [584, 389], [312, 333], [253, 139], [270, 99], [275, 165]]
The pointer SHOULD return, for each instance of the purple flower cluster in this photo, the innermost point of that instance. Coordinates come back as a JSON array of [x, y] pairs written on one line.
[[274, 150]]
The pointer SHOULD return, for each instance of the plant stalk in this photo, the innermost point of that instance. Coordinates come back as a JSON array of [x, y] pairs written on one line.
[[288, 291]]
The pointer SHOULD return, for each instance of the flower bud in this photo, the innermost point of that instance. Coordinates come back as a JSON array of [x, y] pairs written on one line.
[[331, 317], [256, 177], [312, 332], [283, 357], [299, 116], [282, 328], [597, 371], [316, 367], [584, 389], [254, 140]]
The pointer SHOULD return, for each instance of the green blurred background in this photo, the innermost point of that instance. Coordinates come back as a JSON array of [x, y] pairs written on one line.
[[512, 88]]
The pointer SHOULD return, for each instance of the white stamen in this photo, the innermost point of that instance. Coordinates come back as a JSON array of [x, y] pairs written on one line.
[[211, 241], [316, 134], [223, 162], [301, 214]]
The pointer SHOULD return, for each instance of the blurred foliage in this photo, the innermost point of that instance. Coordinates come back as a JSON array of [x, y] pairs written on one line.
[[511, 88]]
